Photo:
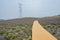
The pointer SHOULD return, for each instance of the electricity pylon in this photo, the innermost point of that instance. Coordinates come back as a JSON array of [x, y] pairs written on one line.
[[20, 8]]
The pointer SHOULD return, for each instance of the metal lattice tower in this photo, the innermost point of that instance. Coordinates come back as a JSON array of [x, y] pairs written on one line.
[[20, 8]]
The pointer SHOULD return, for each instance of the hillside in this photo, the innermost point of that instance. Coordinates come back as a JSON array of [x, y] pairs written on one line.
[[21, 28], [53, 19]]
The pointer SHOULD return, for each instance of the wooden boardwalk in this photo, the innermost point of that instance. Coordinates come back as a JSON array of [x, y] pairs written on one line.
[[39, 33]]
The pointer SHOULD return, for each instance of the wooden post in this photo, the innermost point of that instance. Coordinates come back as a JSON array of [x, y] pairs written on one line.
[[39, 33]]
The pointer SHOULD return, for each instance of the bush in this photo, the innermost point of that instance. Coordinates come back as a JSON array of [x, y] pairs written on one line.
[[10, 36]]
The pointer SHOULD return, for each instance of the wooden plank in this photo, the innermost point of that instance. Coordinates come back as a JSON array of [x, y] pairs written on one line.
[[39, 33]]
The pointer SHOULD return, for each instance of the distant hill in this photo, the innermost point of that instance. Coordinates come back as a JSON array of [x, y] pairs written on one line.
[[29, 20], [1, 19]]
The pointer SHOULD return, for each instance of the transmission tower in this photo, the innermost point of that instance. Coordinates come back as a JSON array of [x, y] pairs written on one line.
[[20, 8]]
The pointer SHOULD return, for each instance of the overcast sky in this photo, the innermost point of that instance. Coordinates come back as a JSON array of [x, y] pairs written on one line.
[[30, 8]]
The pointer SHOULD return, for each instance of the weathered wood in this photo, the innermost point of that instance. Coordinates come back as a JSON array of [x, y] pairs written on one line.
[[39, 33]]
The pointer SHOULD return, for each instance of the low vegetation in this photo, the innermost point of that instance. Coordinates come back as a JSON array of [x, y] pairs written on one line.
[[24, 32], [21, 29]]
